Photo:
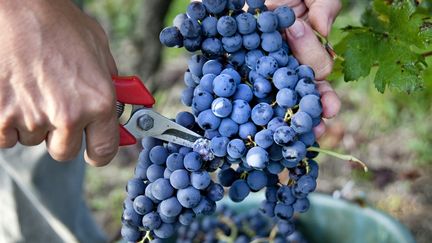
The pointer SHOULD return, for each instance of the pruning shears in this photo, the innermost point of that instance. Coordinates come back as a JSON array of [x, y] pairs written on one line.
[[142, 120]]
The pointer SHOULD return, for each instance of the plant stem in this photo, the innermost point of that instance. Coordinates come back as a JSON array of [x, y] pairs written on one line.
[[427, 54], [339, 156]]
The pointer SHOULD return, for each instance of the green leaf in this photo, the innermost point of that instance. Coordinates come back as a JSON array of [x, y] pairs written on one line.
[[391, 35], [359, 57]]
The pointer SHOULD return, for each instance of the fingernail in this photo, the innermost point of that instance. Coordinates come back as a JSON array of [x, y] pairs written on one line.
[[297, 29]]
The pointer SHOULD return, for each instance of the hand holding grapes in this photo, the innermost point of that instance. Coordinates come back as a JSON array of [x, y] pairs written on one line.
[[313, 15]]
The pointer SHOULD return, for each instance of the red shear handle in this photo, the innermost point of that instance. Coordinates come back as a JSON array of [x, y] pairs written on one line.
[[131, 90]]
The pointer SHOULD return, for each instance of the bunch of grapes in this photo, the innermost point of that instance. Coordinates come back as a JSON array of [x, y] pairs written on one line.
[[231, 226], [171, 186], [256, 105]]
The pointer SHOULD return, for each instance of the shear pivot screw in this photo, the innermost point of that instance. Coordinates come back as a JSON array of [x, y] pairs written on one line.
[[145, 122]]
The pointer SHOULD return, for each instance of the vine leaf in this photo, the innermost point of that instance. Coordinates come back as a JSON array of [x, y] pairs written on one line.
[[391, 38]]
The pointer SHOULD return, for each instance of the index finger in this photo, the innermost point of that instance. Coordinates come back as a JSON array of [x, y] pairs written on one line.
[[322, 14]]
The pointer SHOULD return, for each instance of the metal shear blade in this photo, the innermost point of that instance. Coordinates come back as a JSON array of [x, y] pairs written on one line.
[[146, 122]]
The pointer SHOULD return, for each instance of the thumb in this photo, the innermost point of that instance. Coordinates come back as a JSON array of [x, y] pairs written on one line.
[[308, 49]]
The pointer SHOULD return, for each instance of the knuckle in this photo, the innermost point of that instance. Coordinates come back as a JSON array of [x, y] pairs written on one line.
[[61, 154], [105, 106], [68, 121], [104, 152], [7, 142]]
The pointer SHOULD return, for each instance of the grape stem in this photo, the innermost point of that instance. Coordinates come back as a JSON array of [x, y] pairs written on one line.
[[234, 232], [270, 239], [339, 156], [147, 236], [289, 113]]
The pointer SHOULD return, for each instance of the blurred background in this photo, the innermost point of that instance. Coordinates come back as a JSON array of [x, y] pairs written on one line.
[[391, 132]]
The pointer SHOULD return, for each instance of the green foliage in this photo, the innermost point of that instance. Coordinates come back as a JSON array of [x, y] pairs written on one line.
[[395, 37]]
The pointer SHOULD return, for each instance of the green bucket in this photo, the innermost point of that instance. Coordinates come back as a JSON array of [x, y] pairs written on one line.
[[332, 220]]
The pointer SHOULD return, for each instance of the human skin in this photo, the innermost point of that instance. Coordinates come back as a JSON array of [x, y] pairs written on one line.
[[313, 15], [55, 81]]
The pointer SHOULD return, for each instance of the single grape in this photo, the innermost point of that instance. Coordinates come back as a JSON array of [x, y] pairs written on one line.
[[212, 47], [256, 180], [158, 155], [224, 85], [215, 6], [171, 37], [285, 195], [252, 58], [227, 177], [275, 123], [135, 187], [247, 129], [301, 122], [189, 197], [215, 192], [241, 111], [257, 158], [219, 145], [251, 41], [267, 208], [209, 26], [264, 138], [285, 78], [131, 218], [208, 121], [306, 86], [129, 233], [192, 161], [232, 43], [187, 217], [294, 153], [151, 221], [304, 71], [285, 16], [196, 10], [281, 57], [227, 26], [164, 231], [283, 211], [179, 19], [192, 44], [239, 190], [284, 135], [271, 42], [185, 119], [237, 58], [190, 28], [261, 114], [179, 179], [170, 207], [311, 104], [187, 96], [162, 189], [301, 205], [233, 74], [286, 98], [267, 22], [155, 172], [266, 66], [246, 23], [212, 67], [236, 148], [236, 4], [262, 88]]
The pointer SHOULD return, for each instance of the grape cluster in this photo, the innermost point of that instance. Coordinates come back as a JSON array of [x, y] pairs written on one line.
[[230, 226], [253, 99], [254, 103], [171, 186]]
